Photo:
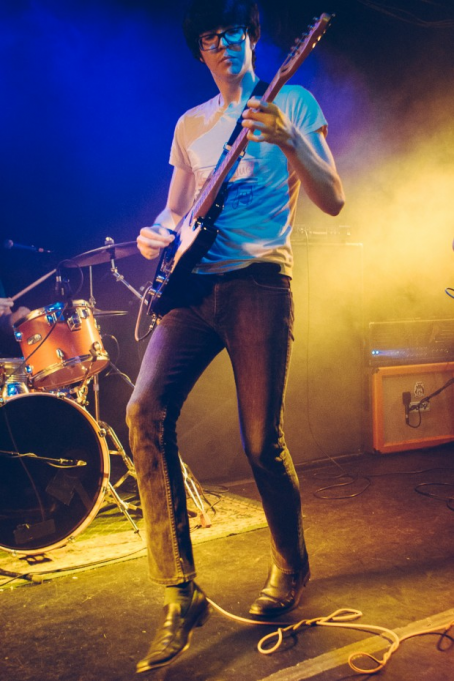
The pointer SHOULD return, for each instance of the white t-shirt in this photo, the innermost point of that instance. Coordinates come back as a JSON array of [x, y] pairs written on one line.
[[260, 204]]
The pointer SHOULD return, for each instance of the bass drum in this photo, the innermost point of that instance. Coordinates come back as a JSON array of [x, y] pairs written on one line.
[[54, 472]]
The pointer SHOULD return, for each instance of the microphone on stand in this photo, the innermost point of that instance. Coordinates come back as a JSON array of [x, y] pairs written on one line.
[[62, 287], [8, 244]]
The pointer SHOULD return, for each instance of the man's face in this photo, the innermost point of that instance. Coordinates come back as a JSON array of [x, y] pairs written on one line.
[[227, 60]]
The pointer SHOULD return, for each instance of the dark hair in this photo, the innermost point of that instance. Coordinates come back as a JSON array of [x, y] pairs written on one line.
[[206, 15]]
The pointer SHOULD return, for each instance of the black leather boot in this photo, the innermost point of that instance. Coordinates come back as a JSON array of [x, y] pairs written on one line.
[[174, 631], [282, 592]]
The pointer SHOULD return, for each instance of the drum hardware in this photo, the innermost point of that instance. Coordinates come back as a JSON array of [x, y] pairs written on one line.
[[110, 251], [14, 380], [109, 313], [56, 463], [68, 344], [39, 513], [91, 258], [56, 510], [48, 498], [195, 491], [123, 506], [141, 296], [120, 451], [54, 473]]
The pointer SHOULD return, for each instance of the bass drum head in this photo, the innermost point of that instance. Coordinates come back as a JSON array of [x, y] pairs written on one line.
[[45, 502]]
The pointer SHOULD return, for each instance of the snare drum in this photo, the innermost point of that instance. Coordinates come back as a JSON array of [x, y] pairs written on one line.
[[13, 378], [54, 472], [61, 344]]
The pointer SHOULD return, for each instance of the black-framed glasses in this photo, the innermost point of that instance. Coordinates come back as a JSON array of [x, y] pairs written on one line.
[[231, 36]]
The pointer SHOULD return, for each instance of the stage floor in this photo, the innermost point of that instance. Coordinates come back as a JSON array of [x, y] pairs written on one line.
[[388, 552]]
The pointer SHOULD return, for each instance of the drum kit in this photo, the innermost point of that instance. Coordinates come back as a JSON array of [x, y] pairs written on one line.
[[54, 454]]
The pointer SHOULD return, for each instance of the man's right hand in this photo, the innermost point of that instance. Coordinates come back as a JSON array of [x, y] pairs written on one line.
[[152, 239]]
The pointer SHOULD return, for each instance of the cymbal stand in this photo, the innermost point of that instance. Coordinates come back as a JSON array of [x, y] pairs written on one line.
[[142, 297], [108, 431], [120, 278]]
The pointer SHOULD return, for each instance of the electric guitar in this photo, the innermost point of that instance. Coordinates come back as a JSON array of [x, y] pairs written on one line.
[[196, 232]]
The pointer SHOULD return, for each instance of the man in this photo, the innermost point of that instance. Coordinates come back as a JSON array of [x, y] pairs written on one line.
[[239, 299]]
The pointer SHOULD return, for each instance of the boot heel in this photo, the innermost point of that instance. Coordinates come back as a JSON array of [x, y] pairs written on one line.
[[204, 616]]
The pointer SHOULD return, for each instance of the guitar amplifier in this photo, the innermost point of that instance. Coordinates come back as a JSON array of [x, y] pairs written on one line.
[[398, 419], [414, 341]]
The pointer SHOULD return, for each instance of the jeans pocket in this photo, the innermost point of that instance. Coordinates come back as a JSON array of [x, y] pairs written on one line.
[[271, 281]]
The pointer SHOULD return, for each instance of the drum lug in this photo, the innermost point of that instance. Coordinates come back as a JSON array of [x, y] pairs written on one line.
[[18, 336], [60, 354], [74, 322], [36, 338], [96, 349]]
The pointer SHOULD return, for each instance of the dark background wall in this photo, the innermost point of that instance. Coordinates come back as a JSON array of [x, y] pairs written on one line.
[[90, 92]]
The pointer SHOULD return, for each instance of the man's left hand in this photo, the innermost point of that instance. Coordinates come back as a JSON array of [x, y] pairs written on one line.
[[267, 123]]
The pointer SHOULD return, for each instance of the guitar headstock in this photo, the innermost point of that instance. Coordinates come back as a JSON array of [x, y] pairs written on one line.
[[303, 46]]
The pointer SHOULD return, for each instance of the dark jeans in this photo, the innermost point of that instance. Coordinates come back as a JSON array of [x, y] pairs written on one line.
[[250, 313]]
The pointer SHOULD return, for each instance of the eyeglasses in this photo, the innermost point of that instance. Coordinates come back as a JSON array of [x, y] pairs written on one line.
[[232, 36]]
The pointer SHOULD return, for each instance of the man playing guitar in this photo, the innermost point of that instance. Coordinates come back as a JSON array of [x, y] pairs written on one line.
[[238, 298]]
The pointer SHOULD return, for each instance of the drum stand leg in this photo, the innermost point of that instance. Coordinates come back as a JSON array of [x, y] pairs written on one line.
[[195, 492], [112, 492], [119, 451], [193, 487]]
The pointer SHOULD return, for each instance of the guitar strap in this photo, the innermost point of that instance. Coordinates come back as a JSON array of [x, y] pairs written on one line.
[[218, 205], [258, 91]]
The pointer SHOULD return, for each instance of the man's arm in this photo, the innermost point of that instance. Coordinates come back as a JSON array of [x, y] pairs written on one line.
[[5, 306], [309, 154], [179, 201], [8, 317]]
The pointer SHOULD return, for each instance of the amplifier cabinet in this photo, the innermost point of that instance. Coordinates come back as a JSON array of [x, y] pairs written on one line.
[[433, 423]]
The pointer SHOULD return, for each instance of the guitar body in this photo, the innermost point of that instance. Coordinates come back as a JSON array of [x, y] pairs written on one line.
[[176, 264], [194, 238]]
